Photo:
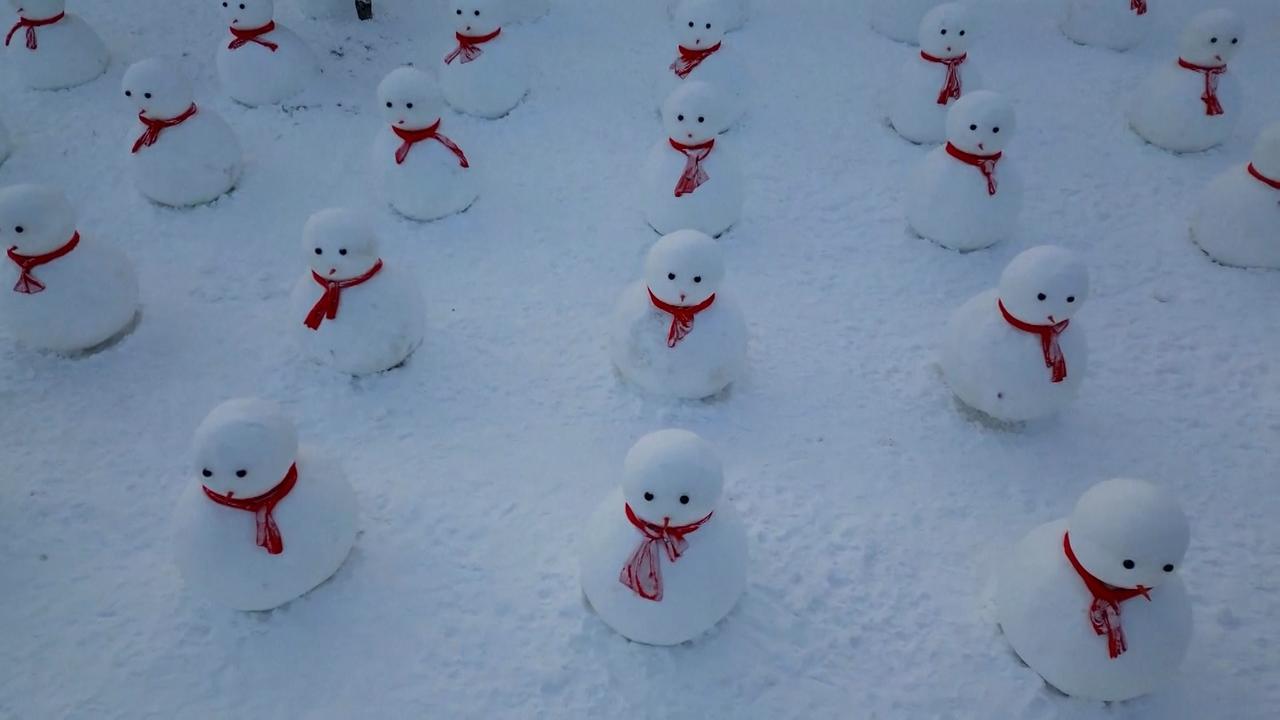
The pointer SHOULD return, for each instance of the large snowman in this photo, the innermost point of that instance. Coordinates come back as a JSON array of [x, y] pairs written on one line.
[[1192, 104], [1237, 220], [1093, 603], [934, 78], [691, 180], [898, 19], [349, 310], [261, 522], [702, 55], [664, 558], [182, 154], [425, 174], [262, 62], [966, 195], [1114, 24], [50, 48], [1013, 352], [676, 333], [483, 73], [59, 291]]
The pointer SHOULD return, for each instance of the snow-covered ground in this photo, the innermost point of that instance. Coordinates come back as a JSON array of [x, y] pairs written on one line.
[[876, 510]]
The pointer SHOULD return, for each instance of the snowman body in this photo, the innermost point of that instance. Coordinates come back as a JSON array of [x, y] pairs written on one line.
[[899, 19], [379, 323], [1167, 109], [949, 202], [1114, 24], [1237, 217], [490, 79], [256, 75], [429, 184], [191, 164], [713, 208], [67, 53]]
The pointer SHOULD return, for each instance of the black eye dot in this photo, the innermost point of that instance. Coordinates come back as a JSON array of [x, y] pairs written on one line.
[[241, 473], [690, 23], [409, 105], [342, 251], [319, 251], [146, 95], [680, 118], [224, 4], [241, 6], [708, 26], [671, 276], [128, 93], [19, 229], [684, 499], [701, 118], [1128, 564], [1235, 40], [459, 11], [995, 129], [1042, 297], [207, 472], [973, 127], [1213, 40], [962, 33], [697, 278], [648, 496], [1168, 568], [477, 13], [390, 104], [1071, 298], [944, 31]]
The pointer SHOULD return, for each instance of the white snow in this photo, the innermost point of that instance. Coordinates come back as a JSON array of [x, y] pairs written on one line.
[[874, 509]]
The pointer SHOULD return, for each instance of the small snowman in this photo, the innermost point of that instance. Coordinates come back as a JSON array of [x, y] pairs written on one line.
[[265, 521], [262, 63], [702, 56], [1192, 104], [483, 74], [59, 291], [932, 80], [1014, 352], [1093, 602], [353, 313], [425, 175], [675, 333], [899, 19], [664, 558], [690, 179], [184, 155], [966, 195], [1237, 221], [1115, 24], [50, 48], [524, 11], [734, 12]]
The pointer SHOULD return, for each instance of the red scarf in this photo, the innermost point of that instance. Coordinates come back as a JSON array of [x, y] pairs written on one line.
[[1104, 611], [681, 317], [412, 137], [261, 507], [1053, 357], [688, 59], [985, 163], [151, 135], [29, 284], [951, 87], [31, 26], [1210, 96], [326, 308], [693, 175], [1139, 7], [253, 35], [469, 47], [1263, 178], [643, 571]]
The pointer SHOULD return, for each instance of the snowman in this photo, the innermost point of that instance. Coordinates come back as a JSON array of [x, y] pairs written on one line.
[[899, 19], [1192, 104], [1093, 602], [264, 521], [966, 195], [1114, 24], [523, 11], [733, 12], [664, 558], [933, 79], [181, 154], [59, 291], [260, 62], [425, 174], [352, 312], [483, 74], [1237, 221], [50, 48], [1014, 352], [690, 179], [701, 55], [675, 333]]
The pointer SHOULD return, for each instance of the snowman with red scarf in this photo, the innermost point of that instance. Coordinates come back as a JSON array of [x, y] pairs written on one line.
[[702, 55], [1093, 603], [262, 521], [1114, 24], [59, 291], [1237, 221], [933, 78], [259, 61], [50, 48], [1015, 352], [1192, 103], [350, 311], [676, 333], [482, 73], [664, 558]]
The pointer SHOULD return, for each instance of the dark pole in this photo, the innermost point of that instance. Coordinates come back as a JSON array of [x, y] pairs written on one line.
[[364, 9]]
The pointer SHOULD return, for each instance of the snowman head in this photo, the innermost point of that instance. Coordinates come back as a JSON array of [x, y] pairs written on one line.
[[248, 14], [1128, 533], [158, 89], [39, 9], [1044, 285], [692, 112], [35, 219], [699, 24], [946, 30], [244, 448], [1266, 152], [981, 123], [410, 99], [1211, 39], [339, 244], [684, 268], [476, 18], [672, 476]]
